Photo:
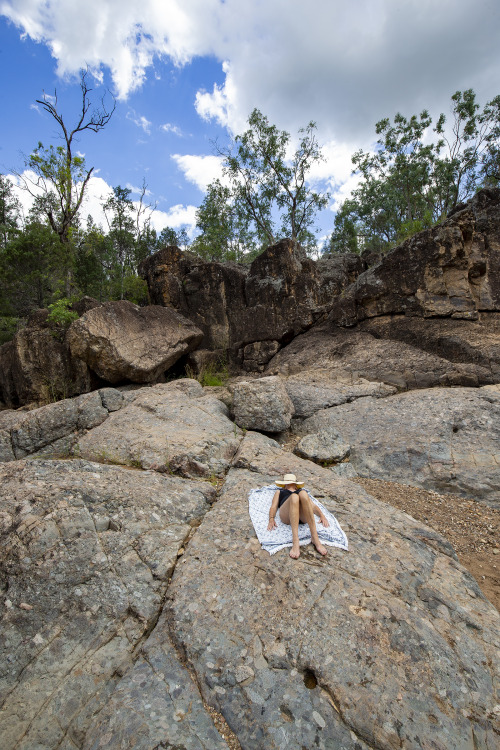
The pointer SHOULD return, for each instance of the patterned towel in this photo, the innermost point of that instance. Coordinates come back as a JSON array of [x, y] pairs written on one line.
[[259, 501]]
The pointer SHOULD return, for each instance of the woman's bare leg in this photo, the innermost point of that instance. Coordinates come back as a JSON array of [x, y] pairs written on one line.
[[299, 507], [307, 516], [290, 514]]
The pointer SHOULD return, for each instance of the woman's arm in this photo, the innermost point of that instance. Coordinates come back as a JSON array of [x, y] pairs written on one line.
[[272, 511], [322, 517]]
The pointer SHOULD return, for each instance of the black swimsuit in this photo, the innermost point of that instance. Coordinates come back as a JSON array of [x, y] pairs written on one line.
[[284, 495]]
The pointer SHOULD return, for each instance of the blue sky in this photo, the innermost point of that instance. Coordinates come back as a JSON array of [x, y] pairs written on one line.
[[186, 72]]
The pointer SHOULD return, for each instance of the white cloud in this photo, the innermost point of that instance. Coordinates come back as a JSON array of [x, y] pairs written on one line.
[[169, 128], [140, 121], [344, 65], [176, 217], [199, 170]]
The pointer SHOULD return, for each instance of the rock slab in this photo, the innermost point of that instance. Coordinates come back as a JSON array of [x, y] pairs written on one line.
[[389, 645], [440, 439], [86, 554]]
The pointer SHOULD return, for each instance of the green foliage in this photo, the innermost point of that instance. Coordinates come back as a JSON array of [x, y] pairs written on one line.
[[264, 185], [10, 210], [8, 327], [409, 183], [60, 316], [211, 374], [32, 268]]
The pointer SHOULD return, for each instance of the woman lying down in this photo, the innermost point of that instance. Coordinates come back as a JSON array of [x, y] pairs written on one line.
[[283, 515], [296, 507]]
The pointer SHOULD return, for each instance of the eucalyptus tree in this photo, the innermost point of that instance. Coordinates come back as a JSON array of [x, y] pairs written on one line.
[[412, 179], [268, 186], [58, 176]]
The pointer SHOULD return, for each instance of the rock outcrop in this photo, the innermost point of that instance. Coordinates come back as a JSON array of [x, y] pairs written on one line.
[[440, 439], [423, 360], [171, 427], [452, 270], [249, 311], [132, 597], [428, 314], [37, 367], [123, 342]]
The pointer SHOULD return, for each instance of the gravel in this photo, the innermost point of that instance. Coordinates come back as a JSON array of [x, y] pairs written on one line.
[[470, 526]]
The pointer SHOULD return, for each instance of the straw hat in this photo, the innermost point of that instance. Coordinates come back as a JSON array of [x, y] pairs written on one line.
[[289, 479]]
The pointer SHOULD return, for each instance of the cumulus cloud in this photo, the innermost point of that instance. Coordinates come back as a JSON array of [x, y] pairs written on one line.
[[344, 65], [199, 170]]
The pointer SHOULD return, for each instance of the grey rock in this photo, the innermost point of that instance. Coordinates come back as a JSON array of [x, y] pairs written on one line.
[[325, 446], [94, 590], [48, 424], [171, 427], [155, 705], [53, 430], [345, 470], [315, 389], [262, 405], [440, 439], [121, 341], [395, 634], [112, 399]]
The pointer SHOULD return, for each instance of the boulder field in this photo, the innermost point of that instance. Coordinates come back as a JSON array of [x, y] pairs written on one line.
[[136, 601]]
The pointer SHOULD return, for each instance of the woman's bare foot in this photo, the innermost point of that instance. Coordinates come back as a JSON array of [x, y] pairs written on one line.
[[295, 551], [320, 548]]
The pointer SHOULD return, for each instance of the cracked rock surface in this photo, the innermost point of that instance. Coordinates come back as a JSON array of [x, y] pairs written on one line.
[[395, 633], [440, 439], [170, 427], [131, 599], [86, 554]]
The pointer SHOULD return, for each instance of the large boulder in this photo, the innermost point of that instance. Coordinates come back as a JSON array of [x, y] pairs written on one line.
[[121, 341], [262, 405], [249, 311], [87, 551], [170, 427], [446, 440], [388, 645], [37, 367]]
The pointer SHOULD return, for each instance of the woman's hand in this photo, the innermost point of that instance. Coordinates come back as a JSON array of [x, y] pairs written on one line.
[[324, 520], [272, 524]]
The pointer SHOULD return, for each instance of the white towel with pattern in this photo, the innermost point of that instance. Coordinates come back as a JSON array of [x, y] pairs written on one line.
[[259, 502]]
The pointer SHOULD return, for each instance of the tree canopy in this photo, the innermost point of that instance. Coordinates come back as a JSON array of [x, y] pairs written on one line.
[[412, 180], [264, 194]]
